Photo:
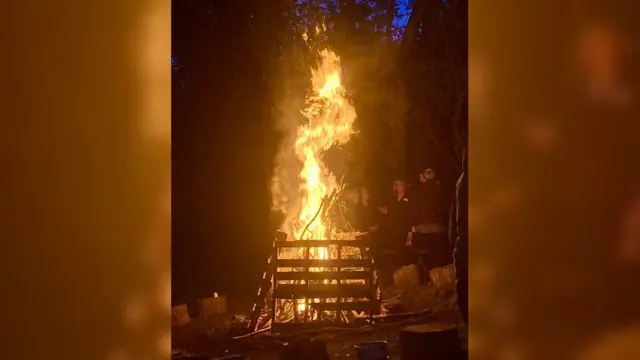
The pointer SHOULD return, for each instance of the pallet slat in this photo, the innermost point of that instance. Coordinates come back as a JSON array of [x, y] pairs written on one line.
[[321, 243], [356, 305], [303, 263], [324, 275], [305, 290], [288, 291]]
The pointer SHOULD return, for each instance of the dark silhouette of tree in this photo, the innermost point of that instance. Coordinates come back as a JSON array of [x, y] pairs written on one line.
[[237, 61]]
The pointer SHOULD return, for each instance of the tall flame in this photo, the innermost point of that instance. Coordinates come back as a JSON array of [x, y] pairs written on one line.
[[330, 118]]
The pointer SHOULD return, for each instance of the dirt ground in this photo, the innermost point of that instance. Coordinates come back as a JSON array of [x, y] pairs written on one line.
[[340, 345], [212, 336]]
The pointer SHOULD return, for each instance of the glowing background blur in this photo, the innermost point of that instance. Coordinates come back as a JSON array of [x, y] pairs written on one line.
[[80, 185]]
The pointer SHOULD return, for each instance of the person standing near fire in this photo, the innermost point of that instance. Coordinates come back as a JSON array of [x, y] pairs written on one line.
[[397, 213], [392, 229], [427, 233]]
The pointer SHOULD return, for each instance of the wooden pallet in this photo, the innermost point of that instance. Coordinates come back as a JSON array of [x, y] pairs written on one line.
[[266, 286], [298, 275]]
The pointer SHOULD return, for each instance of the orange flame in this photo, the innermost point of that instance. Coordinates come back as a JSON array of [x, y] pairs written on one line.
[[329, 122]]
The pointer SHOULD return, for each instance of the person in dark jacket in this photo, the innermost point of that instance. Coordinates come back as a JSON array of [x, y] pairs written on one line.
[[394, 228], [459, 233], [398, 212], [428, 236]]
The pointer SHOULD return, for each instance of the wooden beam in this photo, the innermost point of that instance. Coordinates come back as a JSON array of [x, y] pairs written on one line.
[[301, 291], [322, 243], [303, 263], [324, 275], [356, 305]]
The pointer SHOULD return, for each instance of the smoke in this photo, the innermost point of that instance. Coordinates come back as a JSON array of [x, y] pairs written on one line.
[[286, 198]]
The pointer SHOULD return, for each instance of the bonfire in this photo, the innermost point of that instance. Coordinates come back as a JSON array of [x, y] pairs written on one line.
[[328, 119]]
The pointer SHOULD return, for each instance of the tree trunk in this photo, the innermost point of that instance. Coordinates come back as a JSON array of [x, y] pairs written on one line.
[[391, 13], [411, 30]]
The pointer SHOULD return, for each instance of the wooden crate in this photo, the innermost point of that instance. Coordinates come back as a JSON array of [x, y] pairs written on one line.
[[293, 281]]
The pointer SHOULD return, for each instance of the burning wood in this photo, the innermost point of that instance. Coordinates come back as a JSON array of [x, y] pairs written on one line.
[[323, 275], [306, 189], [337, 287]]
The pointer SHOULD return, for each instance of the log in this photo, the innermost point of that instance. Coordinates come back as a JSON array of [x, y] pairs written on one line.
[[407, 277], [212, 306], [359, 243], [430, 342], [443, 278]]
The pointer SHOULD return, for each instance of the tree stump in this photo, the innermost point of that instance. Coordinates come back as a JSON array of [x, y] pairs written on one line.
[[430, 342], [212, 306], [444, 277]]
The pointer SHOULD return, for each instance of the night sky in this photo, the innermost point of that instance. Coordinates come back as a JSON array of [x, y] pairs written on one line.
[[223, 144]]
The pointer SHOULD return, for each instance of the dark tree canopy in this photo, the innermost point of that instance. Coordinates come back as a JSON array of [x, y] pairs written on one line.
[[404, 65]]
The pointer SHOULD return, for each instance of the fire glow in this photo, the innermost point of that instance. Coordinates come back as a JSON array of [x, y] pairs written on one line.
[[328, 119]]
